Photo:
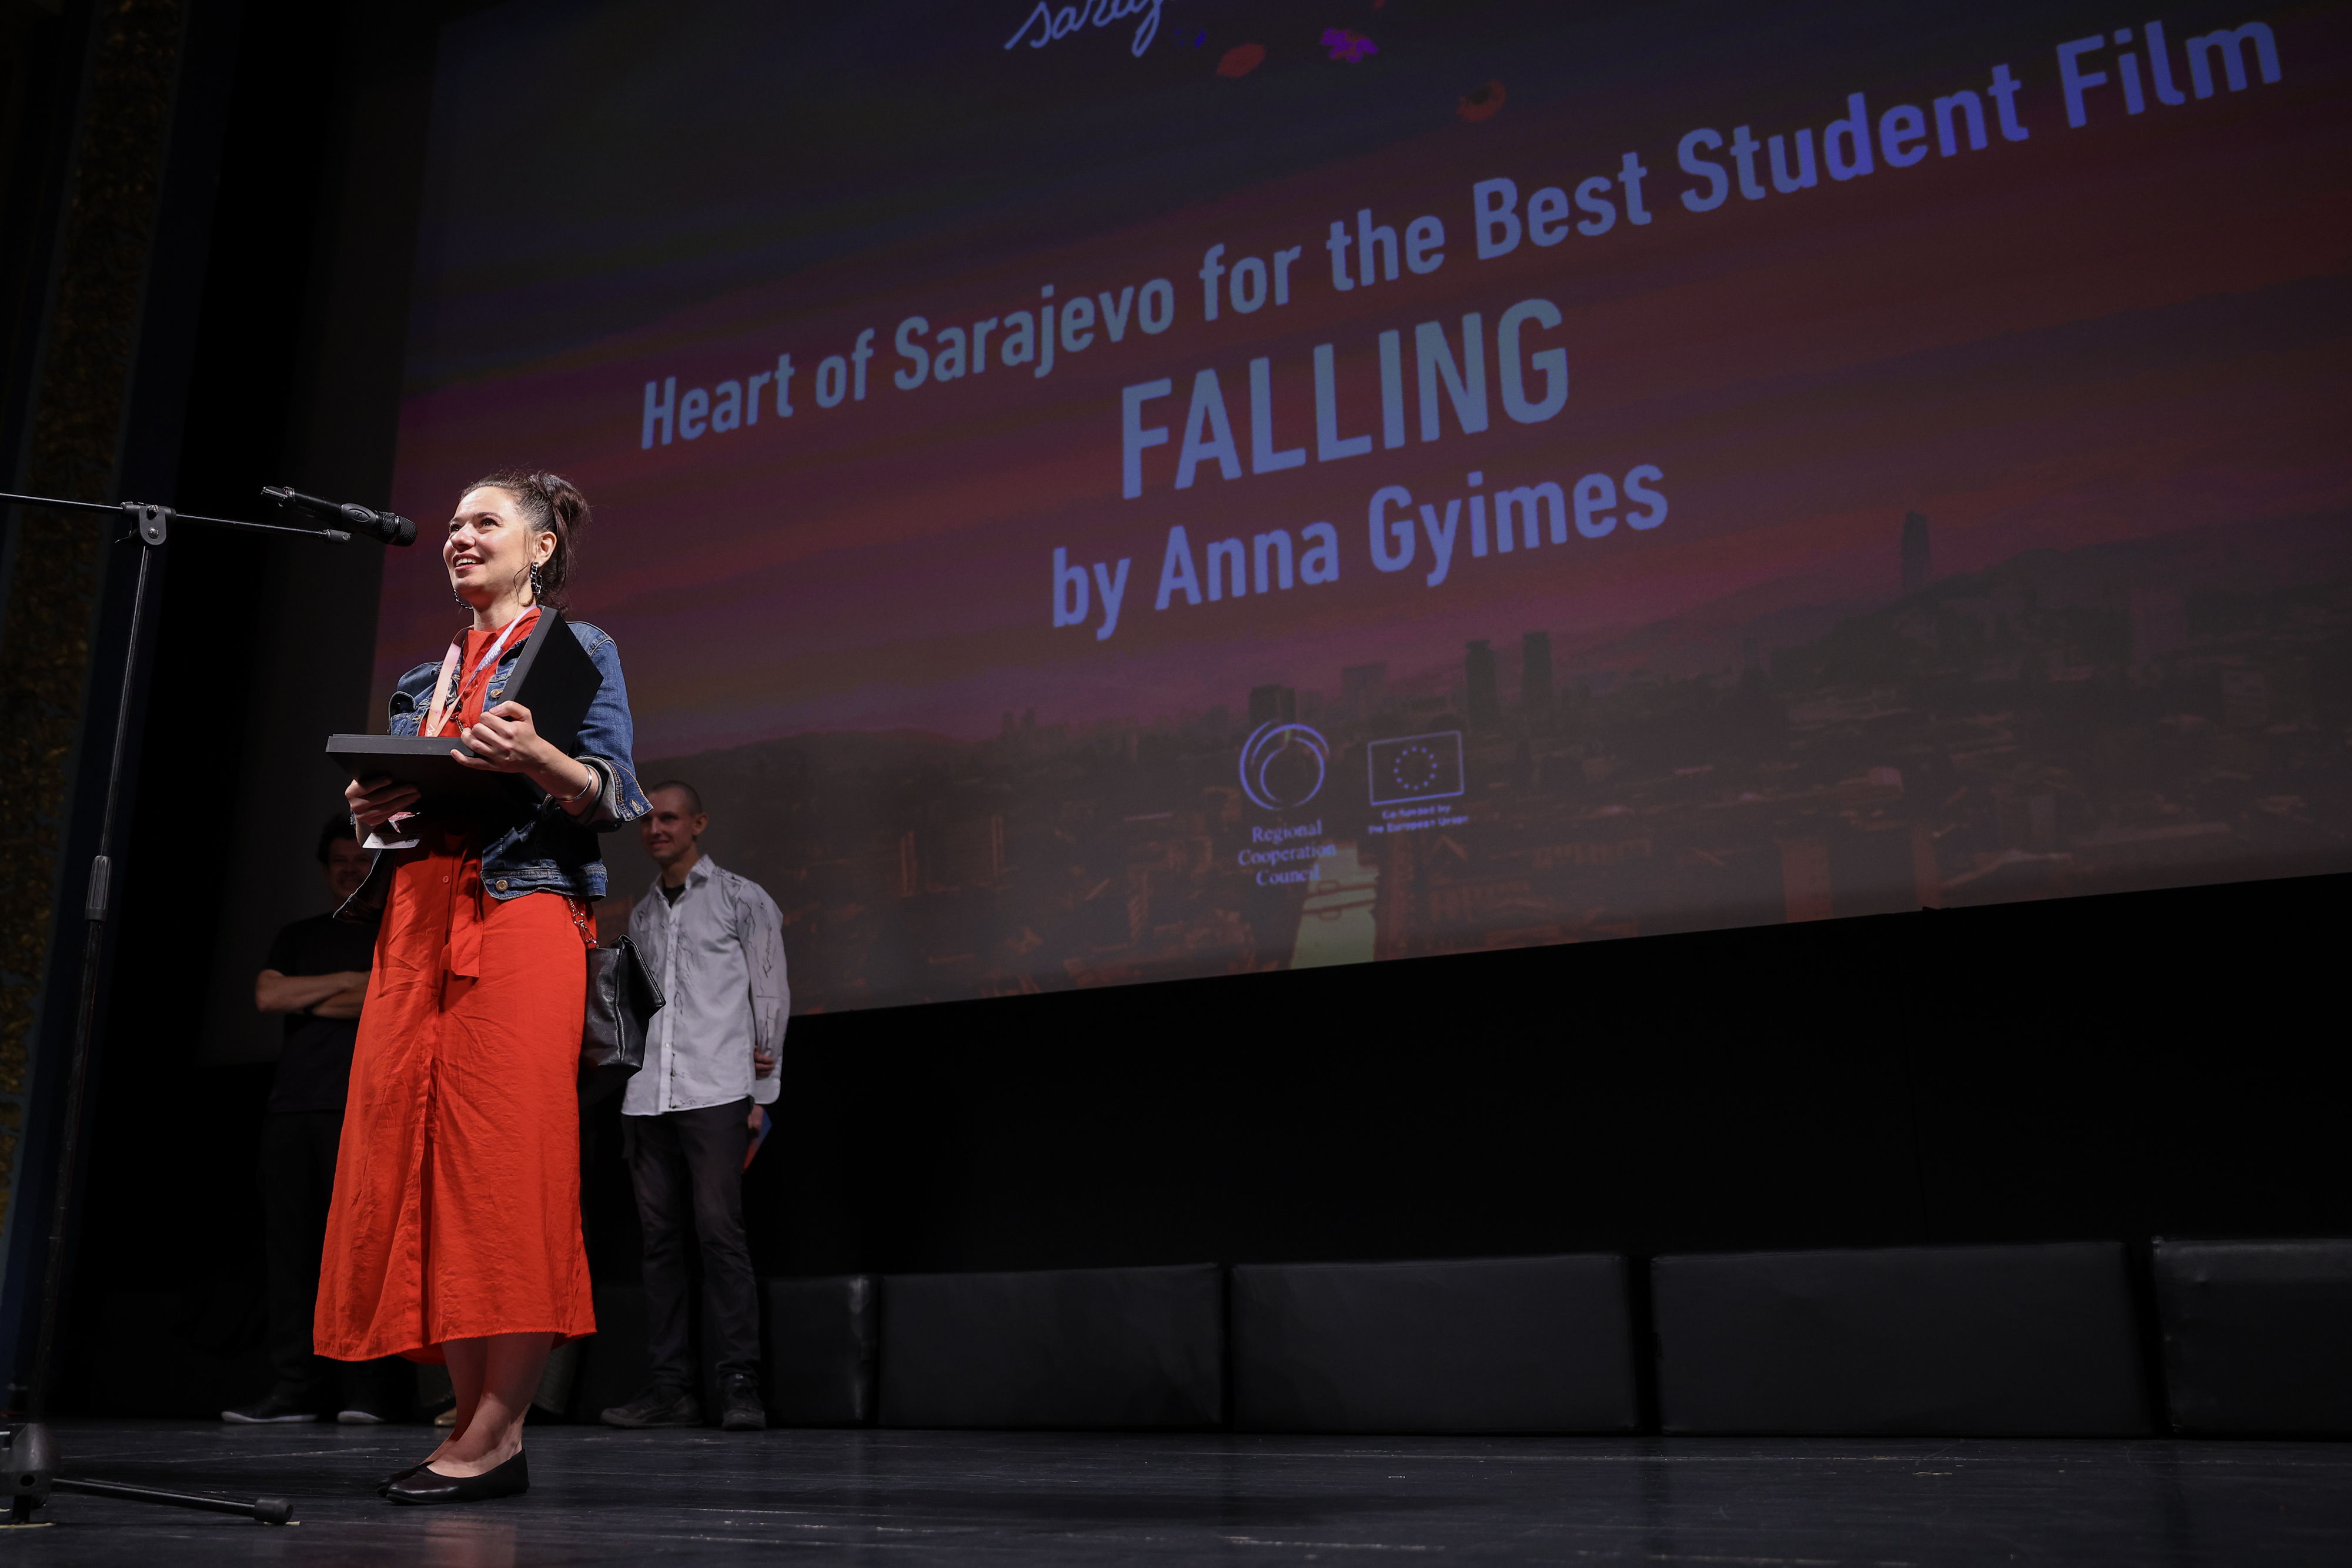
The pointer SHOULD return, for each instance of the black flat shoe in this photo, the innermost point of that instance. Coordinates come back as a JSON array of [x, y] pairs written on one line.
[[383, 1488], [510, 1480]]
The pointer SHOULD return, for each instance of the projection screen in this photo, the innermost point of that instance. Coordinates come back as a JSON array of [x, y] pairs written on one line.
[[1094, 494]]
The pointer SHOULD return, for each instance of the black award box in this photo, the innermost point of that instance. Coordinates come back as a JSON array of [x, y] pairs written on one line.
[[554, 677]]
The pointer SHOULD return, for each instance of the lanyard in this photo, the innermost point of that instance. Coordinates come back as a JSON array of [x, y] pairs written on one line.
[[441, 692]]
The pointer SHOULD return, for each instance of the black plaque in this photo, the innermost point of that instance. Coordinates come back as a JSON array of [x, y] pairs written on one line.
[[554, 677]]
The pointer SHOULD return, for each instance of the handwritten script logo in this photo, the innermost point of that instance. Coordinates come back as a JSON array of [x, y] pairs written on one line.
[[1051, 22]]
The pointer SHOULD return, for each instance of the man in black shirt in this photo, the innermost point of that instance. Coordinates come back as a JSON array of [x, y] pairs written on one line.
[[317, 976]]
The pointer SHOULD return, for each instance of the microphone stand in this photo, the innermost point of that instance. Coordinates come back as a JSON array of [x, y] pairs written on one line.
[[31, 1453]]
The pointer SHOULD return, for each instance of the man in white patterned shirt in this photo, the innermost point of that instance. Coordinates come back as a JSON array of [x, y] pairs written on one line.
[[714, 942]]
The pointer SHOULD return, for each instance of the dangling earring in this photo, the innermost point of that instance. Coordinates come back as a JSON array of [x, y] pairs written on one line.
[[458, 599], [538, 591]]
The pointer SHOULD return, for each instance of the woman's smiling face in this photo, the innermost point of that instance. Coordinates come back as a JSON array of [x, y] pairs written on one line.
[[491, 547]]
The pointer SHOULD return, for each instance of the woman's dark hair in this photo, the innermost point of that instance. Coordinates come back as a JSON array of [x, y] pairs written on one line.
[[552, 505]]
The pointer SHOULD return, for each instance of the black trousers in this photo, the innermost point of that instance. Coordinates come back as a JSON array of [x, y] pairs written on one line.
[[688, 1168], [298, 1183]]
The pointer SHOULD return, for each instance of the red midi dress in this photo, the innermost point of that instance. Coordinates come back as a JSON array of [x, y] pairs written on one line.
[[456, 1205]]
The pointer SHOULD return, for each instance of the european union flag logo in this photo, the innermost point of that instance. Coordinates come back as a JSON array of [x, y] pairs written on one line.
[[1413, 767]]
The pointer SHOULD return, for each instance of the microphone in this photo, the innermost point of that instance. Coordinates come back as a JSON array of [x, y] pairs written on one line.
[[389, 528]]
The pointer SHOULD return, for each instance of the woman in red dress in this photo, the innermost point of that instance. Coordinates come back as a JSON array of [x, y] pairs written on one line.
[[455, 1231]]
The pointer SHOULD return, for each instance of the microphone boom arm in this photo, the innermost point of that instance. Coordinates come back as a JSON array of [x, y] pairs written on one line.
[[153, 520]]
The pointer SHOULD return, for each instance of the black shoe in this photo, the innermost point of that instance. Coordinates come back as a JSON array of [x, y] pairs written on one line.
[[383, 1488], [510, 1480], [740, 1406], [359, 1415], [279, 1409], [658, 1406]]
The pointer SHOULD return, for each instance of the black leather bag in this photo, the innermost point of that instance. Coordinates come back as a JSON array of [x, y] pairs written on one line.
[[622, 1001]]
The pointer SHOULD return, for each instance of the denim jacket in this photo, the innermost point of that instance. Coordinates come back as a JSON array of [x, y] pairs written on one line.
[[543, 848]]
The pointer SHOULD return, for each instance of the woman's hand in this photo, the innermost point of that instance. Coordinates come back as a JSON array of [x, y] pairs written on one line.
[[503, 740], [375, 802]]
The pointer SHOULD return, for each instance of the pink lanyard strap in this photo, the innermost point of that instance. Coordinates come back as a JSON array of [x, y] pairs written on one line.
[[442, 694]]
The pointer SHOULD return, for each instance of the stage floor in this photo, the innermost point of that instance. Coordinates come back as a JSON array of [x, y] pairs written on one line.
[[919, 1498]]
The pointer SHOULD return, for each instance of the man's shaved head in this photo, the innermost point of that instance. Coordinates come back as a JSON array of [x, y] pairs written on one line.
[[693, 795]]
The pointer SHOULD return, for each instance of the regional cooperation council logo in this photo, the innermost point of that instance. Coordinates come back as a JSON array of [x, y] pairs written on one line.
[[1284, 765]]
